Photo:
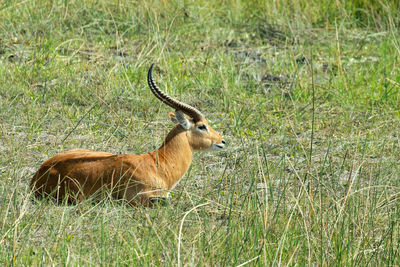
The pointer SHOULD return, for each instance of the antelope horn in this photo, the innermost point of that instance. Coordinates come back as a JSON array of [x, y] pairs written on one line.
[[173, 103]]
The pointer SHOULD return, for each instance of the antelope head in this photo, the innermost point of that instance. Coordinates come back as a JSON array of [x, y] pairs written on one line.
[[189, 120]]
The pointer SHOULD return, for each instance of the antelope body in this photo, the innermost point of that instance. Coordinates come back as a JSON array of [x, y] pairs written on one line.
[[79, 174]]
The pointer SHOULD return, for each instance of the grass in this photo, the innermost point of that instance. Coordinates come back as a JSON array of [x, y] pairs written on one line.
[[306, 95]]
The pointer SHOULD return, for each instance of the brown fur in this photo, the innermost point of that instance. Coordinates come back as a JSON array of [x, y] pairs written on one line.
[[79, 174]]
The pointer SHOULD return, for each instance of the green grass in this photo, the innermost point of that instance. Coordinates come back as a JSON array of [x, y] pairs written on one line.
[[306, 95]]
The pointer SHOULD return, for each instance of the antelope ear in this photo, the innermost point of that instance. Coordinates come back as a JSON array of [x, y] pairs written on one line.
[[172, 117], [179, 117]]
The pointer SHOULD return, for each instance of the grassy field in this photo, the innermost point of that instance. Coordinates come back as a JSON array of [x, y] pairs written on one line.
[[306, 96]]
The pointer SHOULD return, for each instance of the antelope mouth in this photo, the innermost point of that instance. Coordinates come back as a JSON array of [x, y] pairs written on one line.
[[218, 146]]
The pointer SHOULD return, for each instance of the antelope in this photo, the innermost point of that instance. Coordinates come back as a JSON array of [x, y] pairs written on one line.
[[138, 179]]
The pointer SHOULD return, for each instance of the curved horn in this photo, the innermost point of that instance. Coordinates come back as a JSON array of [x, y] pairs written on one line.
[[185, 108]]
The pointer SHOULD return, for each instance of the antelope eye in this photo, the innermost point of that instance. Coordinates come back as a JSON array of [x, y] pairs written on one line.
[[202, 127]]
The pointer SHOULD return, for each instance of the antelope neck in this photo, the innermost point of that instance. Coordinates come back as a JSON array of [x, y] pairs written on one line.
[[174, 156]]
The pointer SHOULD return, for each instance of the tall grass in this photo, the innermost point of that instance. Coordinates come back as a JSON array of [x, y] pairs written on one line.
[[306, 93]]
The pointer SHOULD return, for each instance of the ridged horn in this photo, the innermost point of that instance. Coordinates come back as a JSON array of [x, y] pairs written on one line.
[[173, 103]]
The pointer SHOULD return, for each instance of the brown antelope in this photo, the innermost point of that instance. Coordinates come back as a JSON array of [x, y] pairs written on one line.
[[80, 173]]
